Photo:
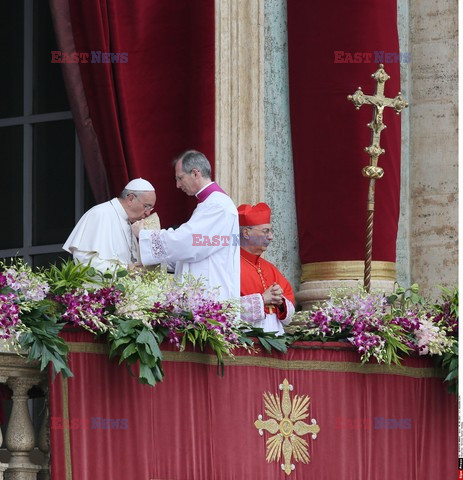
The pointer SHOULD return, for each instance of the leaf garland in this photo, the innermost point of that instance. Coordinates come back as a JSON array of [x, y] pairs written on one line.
[[136, 313]]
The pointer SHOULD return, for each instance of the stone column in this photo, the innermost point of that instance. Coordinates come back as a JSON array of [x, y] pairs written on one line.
[[434, 143], [279, 171], [44, 439], [20, 432], [239, 137], [3, 466]]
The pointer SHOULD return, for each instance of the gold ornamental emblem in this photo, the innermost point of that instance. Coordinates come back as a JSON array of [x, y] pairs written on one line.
[[286, 426]]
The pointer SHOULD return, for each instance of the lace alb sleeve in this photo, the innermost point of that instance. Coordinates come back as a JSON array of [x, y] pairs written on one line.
[[152, 247], [252, 308], [289, 312]]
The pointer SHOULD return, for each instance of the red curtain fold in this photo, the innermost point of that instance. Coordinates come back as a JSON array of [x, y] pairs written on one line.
[[329, 135], [94, 163], [157, 100], [196, 425]]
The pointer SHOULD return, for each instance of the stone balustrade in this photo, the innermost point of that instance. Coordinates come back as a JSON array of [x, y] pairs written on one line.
[[22, 460]]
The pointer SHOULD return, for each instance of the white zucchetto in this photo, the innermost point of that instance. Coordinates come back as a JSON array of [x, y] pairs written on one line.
[[139, 185]]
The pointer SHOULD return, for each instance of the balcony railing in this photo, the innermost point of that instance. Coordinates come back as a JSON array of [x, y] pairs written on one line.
[[25, 441]]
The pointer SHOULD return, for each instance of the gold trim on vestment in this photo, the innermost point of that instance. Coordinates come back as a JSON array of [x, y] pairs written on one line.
[[272, 362], [67, 436], [347, 270]]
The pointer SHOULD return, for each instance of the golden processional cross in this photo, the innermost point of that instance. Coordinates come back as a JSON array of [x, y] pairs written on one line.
[[372, 171]]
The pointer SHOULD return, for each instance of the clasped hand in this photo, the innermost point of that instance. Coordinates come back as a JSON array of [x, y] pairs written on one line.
[[273, 295]]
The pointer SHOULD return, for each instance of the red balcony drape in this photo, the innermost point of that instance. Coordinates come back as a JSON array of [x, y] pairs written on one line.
[[376, 423], [132, 118], [329, 135]]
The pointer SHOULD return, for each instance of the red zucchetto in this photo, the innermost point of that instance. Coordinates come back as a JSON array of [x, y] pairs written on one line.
[[254, 215]]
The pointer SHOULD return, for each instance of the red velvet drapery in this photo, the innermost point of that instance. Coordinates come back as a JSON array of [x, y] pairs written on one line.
[[328, 134], [375, 423], [134, 116]]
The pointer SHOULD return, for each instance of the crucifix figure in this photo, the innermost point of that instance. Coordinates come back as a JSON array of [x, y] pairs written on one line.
[[372, 171]]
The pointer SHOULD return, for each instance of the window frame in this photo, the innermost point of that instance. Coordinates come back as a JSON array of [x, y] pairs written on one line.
[[27, 121]]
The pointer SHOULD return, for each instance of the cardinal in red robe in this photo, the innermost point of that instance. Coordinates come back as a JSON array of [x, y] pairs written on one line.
[[267, 298]]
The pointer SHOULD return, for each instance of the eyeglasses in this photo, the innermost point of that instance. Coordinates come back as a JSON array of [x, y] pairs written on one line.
[[146, 206], [265, 231], [178, 178]]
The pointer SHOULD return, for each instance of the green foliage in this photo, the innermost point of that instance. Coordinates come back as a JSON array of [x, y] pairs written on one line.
[[40, 338], [449, 362], [403, 299], [70, 276], [448, 310], [449, 302], [393, 335], [134, 342], [200, 335], [112, 277], [268, 340]]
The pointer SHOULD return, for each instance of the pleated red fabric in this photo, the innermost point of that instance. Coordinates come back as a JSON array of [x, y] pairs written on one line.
[[152, 99], [329, 135], [196, 425]]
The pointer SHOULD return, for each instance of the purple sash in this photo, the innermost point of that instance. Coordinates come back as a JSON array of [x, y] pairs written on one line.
[[213, 187]]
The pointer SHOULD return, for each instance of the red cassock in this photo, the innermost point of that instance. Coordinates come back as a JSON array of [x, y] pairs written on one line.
[[253, 285]]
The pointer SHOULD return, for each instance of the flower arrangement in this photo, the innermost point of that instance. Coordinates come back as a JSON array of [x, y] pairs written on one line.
[[136, 312], [386, 327]]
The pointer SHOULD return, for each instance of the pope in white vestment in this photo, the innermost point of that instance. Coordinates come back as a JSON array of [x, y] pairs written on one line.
[[207, 245], [103, 236]]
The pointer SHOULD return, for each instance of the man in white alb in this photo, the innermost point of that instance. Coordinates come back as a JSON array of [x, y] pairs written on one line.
[[103, 236], [207, 245]]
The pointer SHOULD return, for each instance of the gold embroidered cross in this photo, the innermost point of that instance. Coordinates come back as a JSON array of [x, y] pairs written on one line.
[[287, 426]]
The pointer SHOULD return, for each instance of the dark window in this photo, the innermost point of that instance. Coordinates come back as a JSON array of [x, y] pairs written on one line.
[[11, 153], [12, 57], [53, 199], [43, 179], [49, 94]]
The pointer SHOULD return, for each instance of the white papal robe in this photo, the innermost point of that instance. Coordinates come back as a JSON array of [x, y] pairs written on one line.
[[206, 246], [103, 236]]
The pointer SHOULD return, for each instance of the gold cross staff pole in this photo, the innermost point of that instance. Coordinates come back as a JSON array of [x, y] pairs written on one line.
[[372, 171]]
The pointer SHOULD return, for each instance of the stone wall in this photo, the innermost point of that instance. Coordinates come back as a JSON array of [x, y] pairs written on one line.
[[279, 171], [434, 143], [403, 234]]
